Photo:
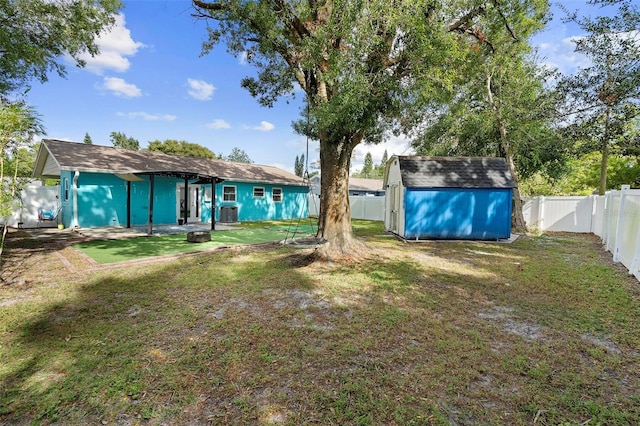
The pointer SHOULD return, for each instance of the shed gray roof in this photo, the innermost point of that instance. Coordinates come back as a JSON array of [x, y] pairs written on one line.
[[105, 159], [455, 172]]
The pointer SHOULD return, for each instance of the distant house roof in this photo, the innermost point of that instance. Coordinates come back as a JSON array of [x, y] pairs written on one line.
[[455, 172], [365, 184], [355, 184], [55, 156]]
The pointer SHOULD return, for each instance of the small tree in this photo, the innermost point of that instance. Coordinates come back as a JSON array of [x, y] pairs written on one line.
[[367, 168], [299, 165], [238, 155], [19, 123], [602, 91], [385, 158], [87, 139], [120, 140]]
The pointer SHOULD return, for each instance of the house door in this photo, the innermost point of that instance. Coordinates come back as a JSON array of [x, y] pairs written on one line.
[[395, 206], [193, 203]]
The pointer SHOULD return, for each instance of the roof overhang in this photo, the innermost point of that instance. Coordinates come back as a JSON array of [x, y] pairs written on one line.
[[45, 165], [181, 174]]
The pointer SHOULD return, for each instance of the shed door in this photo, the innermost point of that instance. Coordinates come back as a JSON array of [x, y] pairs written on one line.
[[395, 206]]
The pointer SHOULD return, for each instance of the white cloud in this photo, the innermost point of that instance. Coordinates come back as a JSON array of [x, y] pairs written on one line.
[[264, 126], [119, 87], [147, 116], [200, 89], [219, 124], [115, 46], [561, 55], [242, 60]]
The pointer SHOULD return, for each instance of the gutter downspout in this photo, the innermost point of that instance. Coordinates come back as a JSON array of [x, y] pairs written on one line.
[[76, 175]]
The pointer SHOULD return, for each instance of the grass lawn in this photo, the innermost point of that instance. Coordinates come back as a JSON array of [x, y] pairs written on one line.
[[110, 251], [544, 331]]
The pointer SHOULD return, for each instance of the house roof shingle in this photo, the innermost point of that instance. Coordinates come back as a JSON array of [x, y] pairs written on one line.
[[365, 184], [106, 159], [455, 172]]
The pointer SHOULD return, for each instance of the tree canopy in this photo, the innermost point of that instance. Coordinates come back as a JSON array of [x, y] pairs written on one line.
[[36, 34], [501, 107], [602, 97], [370, 170], [237, 155], [120, 140], [19, 123], [171, 146], [299, 165]]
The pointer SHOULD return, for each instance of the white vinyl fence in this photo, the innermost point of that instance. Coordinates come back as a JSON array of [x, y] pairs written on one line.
[[615, 217], [362, 207], [33, 197]]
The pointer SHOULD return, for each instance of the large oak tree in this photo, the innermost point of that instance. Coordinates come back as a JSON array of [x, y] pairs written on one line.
[[363, 65]]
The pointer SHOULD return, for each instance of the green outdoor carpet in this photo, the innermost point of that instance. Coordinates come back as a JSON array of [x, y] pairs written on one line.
[[111, 251]]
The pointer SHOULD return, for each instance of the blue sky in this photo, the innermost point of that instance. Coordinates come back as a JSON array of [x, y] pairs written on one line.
[[151, 83]]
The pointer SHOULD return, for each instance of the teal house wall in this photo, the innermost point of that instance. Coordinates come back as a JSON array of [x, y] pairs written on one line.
[[250, 208], [102, 200]]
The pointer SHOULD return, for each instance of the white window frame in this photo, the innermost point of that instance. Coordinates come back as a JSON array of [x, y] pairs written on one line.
[[65, 188], [273, 195], [260, 188], [225, 194]]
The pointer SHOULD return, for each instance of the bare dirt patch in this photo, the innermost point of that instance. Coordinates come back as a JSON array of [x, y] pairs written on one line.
[[540, 331]]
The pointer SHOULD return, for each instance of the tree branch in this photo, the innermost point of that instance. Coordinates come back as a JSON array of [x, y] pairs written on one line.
[[496, 4], [461, 24], [210, 6]]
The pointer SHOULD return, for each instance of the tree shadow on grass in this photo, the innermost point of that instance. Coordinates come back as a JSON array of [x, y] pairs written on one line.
[[260, 336]]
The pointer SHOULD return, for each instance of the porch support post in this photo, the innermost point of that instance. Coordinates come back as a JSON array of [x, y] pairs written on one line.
[[186, 199], [128, 204], [213, 204], [151, 189]]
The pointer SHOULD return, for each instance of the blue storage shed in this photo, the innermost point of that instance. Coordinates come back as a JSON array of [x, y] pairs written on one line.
[[448, 197]]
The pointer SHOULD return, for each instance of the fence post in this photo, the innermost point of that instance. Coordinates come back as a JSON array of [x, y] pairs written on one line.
[[541, 214], [594, 204], [635, 263], [620, 224], [606, 218]]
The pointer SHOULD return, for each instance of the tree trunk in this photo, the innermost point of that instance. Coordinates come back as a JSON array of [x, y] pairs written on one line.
[[517, 219], [334, 221], [517, 223], [602, 187]]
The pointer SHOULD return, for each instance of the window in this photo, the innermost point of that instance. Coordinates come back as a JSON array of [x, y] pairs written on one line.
[[258, 191], [277, 195], [66, 189], [228, 193]]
